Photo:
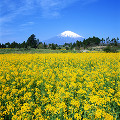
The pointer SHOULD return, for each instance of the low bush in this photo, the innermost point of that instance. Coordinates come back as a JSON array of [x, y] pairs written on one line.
[[110, 49]]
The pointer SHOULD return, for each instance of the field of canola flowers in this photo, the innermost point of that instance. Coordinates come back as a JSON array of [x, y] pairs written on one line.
[[64, 86]]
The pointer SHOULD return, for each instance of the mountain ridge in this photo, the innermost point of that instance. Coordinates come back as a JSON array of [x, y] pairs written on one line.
[[64, 37]]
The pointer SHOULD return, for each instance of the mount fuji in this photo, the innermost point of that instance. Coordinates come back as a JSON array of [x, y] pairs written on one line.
[[64, 37]]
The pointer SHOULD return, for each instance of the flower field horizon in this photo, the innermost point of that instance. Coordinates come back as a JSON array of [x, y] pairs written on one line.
[[60, 86]]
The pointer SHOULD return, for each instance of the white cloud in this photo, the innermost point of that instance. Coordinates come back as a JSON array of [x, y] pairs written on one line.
[[27, 24], [9, 9], [53, 7]]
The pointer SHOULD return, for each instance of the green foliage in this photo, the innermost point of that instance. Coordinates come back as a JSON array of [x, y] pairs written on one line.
[[24, 45], [7, 45], [53, 47], [78, 44], [59, 48], [107, 49], [40, 46], [91, 41], [44, 46], [32, 42], [110, 49], [67, 48]]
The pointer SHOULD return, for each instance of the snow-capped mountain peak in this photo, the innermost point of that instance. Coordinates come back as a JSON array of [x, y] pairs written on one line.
[[69, 34], [65, 37]]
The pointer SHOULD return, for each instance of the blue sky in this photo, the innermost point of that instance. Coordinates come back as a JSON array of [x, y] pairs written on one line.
[[48, 18]]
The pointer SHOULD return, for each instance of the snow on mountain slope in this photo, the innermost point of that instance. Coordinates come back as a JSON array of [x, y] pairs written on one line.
[[64, 37], [69, 34]]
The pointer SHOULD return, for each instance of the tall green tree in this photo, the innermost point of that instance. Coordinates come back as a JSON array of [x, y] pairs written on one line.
[[3, 46], [23, 45], [115, 41], [45, 46], [102, 40], [73, 45], [53, 47], [91, 41], [32, 42], [107, 40], [112, 41], [78, 44], [7, 45], [14, 45]]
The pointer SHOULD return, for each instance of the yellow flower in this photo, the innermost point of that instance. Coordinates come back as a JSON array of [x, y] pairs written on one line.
[[77, 116], [86, 107], [98, 113], [49, 86]]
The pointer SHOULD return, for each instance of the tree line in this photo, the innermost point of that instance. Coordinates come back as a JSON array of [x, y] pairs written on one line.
[[32, 42]]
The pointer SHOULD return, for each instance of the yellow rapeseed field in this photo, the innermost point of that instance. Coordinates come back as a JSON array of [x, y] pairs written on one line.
[[64, 86]]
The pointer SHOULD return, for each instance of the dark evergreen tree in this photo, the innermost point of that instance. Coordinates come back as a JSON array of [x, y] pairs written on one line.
[[19, 45], [84, 43], [50, 46], [14, 45], [7, 45], [115, 41], [102, 40], [78, 44], [91, 41], [81, 44], [32, 42], [74, 44], [3, 46], [45, 46], [107, 40], [70, 44], [23, 45], [53, 47], [112, 41]]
